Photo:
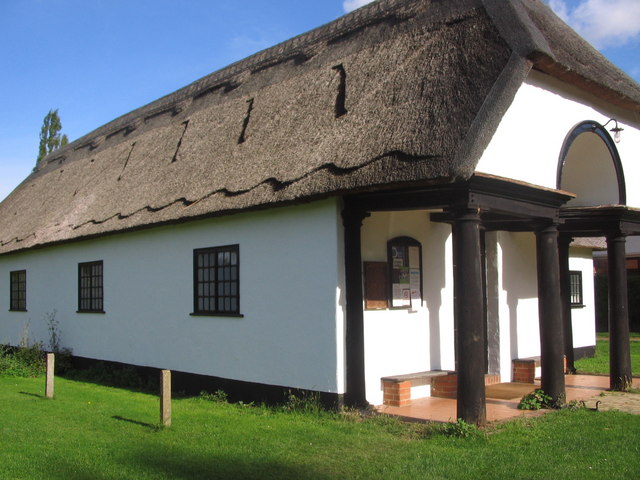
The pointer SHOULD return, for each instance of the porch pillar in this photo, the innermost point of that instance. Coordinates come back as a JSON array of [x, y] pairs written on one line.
[[565, 292], [469, 317], [355, 380], [619, 347], [550, 314]]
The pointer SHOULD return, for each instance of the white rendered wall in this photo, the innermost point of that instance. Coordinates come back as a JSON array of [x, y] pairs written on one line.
[[398, 341], [583, 319], [518, 287], [292, 332], [528, 141]]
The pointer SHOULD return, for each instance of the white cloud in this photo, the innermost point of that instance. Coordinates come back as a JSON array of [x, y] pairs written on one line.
[[350, 5], [602, 22]]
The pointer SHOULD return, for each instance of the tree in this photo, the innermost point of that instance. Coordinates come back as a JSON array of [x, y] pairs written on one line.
[[50, 138]]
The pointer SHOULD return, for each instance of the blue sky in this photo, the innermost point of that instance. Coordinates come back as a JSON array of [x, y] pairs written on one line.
[[95, 60]]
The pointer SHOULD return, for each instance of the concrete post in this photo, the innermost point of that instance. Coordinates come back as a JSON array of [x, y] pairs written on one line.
[[165, 397], [48, 389]]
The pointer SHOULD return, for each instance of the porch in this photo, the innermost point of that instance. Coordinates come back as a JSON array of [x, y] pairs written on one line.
[[502, 400]]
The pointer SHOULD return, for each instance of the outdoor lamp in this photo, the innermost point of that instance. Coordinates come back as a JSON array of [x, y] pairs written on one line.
[[616, 129]]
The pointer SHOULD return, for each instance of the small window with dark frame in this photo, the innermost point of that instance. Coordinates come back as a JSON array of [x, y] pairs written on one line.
[[90, 287], [575, 288], [216, 280], [18, 291]]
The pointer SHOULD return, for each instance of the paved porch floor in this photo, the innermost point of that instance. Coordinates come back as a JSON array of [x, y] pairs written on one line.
[[503, 399]]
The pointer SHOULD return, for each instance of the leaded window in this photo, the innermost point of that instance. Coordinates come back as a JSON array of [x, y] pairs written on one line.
[[575, 288], [216, 275], [18, 290], [90, 287]]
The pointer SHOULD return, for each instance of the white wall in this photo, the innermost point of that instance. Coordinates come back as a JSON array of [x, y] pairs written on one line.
[[528, 141], [518, 287], [398, 341], [292, 331], [584, 318]]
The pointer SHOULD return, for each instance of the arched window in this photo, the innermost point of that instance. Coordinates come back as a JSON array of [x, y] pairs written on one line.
[[590, 167]]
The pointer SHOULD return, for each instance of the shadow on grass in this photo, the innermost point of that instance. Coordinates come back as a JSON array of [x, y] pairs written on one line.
[[183, 464], [136, 422], [187, 465], [37, 395]]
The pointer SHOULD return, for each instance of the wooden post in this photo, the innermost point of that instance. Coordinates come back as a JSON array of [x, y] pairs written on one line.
[[550, 314], [165, 398], [355, 372], [48, 389], [619, 345], [565, 296], [469, 317]]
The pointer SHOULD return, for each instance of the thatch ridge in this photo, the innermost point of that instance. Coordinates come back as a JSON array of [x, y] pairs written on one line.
[[397, 93], [541, 36]]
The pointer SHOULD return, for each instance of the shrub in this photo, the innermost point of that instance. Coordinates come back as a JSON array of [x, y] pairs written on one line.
[[307, 402], [219, 396], [457, 429], [535, 401], [63, 355], [27, 361]]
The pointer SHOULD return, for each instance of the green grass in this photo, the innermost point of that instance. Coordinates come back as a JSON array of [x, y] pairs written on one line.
[[606, 334], [103, 433], [599, 363]]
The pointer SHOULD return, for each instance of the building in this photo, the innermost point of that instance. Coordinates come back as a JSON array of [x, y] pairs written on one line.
[[394, 192]]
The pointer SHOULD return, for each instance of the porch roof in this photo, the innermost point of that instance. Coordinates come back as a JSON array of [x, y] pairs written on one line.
[[503, 203], [600, 221]]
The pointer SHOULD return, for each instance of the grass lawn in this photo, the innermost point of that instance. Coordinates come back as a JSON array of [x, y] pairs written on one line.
[[600, 362], [102, 433]]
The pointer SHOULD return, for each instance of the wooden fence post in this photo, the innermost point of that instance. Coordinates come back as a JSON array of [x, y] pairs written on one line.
[[48, 389], [165, 397]]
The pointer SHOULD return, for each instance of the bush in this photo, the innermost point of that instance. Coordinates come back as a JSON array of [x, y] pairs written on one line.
[[535, 401], [219, 396], [306, 402], [457, 429], [27, 361]]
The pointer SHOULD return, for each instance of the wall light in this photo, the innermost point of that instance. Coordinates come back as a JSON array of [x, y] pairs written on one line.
[[616, 129]]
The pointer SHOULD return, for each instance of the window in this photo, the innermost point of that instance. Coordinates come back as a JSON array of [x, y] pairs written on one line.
[[90, 287], [216, 281], [575, 288], [18, 291]]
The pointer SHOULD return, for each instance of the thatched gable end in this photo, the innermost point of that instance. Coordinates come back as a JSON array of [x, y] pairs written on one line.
[[401, 92]]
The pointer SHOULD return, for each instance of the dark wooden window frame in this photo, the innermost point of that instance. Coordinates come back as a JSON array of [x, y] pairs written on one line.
[[576, 299], [216, 281], [91, 287], [18, 291]]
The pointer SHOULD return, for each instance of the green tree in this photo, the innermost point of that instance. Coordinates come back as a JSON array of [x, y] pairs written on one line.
[[50, 138]]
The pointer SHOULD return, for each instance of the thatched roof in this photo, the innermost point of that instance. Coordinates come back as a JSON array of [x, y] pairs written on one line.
[[400, 92]]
